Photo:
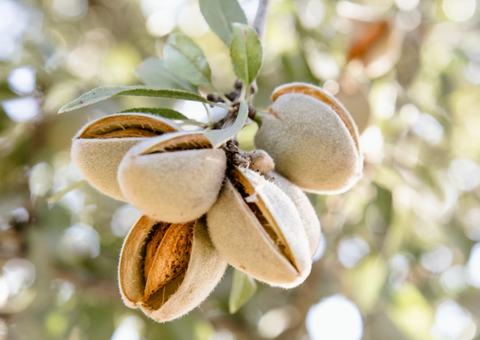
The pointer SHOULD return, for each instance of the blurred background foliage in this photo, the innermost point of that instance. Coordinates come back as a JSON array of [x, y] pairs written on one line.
[[400, 254]]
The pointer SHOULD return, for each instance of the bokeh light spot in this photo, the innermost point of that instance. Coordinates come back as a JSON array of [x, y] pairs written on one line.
[[70, 9], [123, 219], [22, 80], [453, 279], [322, 246], [465, 173], [428, 128], [129, 329], [80, 241], [459, 10], [21, 109], [160, 23], [437, 259], [19, 274], [473, 266], [334, 318], [453, 322], [274, 322], [407, 4], [351, 251]]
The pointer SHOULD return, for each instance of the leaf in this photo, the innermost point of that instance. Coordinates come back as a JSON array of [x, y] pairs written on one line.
[[219, 137], [366, 281], [220, 15], [192, 122], [162, 112], [411, 312], [102, 93], [243, 289], [383, 201], [153, 72], [59, 194], [185, 59], [246, 52]]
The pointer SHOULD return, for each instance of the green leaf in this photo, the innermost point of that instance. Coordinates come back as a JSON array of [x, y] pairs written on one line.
[[153, 72], [246, 52], [366, 281], [185, 59], [162, 112], [243, 289], [102, 93], [220, 15], [219, 137]]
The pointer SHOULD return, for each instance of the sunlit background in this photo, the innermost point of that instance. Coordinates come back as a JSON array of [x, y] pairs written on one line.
[[400, 253]]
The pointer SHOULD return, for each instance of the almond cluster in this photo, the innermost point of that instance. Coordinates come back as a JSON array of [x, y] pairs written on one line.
[[203, 209]]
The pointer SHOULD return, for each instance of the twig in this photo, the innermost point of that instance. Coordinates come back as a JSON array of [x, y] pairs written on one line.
[[261, 17], [259, 24], [237, 327], [242, 92], [210, 122], [222, 96], [306, 296], [220, 105]]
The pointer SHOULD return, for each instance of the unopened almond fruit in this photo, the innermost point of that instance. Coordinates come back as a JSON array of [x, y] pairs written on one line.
[[259, 161], [312, 139], [168, 269], [98, 148], [173, 178], [256, 228]]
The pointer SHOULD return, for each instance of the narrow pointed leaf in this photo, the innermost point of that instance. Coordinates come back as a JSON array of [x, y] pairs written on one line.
[[153, 72], [102, 93], [219, 137], [220, 15], [162, 112], [186, 60], [246, 52], [192, 122], [243, 288], [59, 194]]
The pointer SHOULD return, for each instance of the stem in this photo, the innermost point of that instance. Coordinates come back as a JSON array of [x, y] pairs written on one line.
[[243, 93], [210, 122], [261, 17], [259, 24], [225, 99], [247, 98], [229, 108], [221, 95], [258, 118]]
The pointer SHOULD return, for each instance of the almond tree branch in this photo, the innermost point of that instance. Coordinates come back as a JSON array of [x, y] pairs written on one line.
[[259, 24], [261, 17]]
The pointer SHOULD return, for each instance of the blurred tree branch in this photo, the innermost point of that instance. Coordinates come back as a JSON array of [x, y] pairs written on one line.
[[306, 295], [89, 282], [241, 331], [261, 17]]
